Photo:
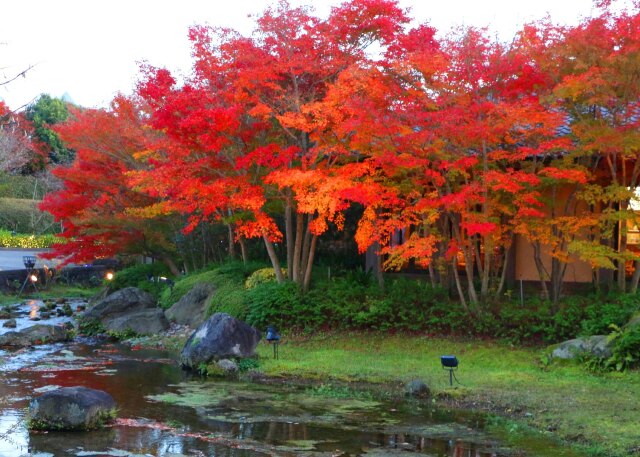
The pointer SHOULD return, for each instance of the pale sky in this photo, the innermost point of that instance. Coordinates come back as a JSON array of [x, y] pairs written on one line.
[[91, 48]]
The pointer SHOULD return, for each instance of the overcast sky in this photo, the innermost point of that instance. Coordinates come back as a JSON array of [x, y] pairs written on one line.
[[90, 48]]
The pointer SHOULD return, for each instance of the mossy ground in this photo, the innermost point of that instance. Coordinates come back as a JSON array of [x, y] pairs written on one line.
[[599, 413]]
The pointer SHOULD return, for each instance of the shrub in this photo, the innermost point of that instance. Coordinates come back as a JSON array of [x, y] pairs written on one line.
[[615, 309], [232, 274], [261, 276], [138, 276], [229, 298], [626, 348], [281, 305]]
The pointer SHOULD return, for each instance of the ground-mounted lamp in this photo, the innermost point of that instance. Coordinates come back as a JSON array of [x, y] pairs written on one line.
[[449, 362], [29, 262], [109, 276], [273, 337], [167, 281], [164, 279]]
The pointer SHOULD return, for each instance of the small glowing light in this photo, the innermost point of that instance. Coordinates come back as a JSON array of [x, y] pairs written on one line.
[[109, 276], [33, 278]]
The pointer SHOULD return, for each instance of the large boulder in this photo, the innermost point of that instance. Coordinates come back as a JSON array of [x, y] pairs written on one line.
[[143, 322], [71, 408], [121, 301], [191, 309], [220, 337], [36, 334], [597, 345]]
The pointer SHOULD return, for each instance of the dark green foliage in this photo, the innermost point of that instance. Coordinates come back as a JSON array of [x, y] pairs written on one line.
[[44, 113], [138, 276], [626, 349], [229, 281], [90, 327], [247, 364], [281, 305], [345, 304], [615, 309], [229, 298]]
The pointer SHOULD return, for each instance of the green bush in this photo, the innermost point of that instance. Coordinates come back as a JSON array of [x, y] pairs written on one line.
[[229, 298], [615, 309], [218, 275], [24, 216], [277, 304], [626, 348], [138, 276], [261, 276]]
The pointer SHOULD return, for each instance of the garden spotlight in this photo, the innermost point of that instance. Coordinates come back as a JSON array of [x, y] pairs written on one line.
[[109, 276], [273, 337], [449, 362]]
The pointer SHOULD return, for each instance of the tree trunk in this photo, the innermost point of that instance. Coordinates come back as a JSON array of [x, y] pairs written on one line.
[[456, 276], [309, 266], [306, 247], [243, 250], [636, 277], [542, 271], [232, 249], [379, 275], [171, 265], [288, 225], [622, 248], [297, 253], [274, 259], [486, 271], [505, 267], [432, 274]]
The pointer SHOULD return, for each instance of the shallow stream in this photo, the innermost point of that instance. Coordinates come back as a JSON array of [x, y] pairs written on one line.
[[164, 411]]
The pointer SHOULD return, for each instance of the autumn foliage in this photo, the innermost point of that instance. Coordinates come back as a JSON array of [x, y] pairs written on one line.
[[456, 145]]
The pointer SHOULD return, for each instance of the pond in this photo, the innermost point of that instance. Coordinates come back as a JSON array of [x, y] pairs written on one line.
[[164, 411]]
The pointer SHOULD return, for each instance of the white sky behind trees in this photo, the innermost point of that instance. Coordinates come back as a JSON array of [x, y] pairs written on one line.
[[90, 49]]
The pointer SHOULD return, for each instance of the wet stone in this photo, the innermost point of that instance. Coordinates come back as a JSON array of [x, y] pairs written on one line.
[[417, 388], [11, 323], [71, 408]]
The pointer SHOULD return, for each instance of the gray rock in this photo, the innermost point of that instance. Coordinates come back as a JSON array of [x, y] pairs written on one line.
[[71, 408], [121, 301], [417, 388], [191, 309], [596, 345], [36, 334], [11, 323], [5, 314], [227, 366], [219, 337], [143, 322]]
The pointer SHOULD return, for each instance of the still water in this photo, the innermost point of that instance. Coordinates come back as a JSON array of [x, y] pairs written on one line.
[[164, 411]]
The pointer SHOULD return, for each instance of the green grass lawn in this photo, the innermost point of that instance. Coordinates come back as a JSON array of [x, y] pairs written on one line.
[[597, 412]]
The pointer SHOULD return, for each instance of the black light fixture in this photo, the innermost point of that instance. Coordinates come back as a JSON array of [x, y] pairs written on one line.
[[273, 337], [449, 362], [29, 262]]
